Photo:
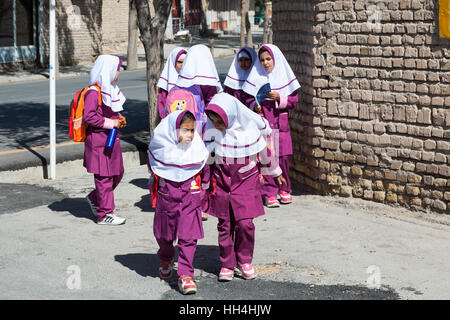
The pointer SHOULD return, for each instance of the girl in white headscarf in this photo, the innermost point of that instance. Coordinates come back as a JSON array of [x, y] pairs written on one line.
[[274, 69], [237, 138], [237, 74], [169, 76], [177, 156], [199, 70], [105, 164]]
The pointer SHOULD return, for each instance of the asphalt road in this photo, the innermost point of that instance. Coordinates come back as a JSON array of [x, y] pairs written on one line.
[[24, 107]]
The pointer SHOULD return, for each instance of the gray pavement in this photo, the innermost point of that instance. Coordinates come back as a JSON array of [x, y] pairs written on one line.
[[315, 248]]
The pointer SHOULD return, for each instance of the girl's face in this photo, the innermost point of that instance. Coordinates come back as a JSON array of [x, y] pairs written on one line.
[[244, 63], [116, 78], [266, 60], [186, 132], [217, 122], [179, 64]]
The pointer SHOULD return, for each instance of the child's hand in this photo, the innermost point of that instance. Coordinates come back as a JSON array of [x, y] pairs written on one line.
[[123, 121], [273, 95], [280, 179], [116, 123]]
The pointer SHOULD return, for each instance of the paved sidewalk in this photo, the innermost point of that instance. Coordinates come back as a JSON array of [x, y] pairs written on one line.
[[315, 248]]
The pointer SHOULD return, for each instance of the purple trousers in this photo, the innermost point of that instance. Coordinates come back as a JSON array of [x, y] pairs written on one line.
[[186, 252], [236, 241], [103, 194], [271, 188]]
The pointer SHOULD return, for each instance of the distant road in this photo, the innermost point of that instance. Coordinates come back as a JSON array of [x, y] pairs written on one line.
[[24, 109]]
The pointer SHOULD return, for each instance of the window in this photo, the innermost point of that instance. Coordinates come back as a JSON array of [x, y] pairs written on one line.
[[18, 30], [6, 23]]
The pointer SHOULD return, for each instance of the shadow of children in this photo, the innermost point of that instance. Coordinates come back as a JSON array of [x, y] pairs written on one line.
[[78, 207]]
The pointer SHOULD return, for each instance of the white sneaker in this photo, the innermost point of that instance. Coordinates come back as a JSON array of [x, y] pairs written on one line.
[[92, 206], [112, 219]]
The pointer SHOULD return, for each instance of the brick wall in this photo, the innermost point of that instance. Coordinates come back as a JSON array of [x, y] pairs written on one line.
[[115, 26], [100, 27], [373, 120], [79, 34]]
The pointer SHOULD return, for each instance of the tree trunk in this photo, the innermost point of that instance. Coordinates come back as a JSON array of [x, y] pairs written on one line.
[[243, 18], [266, 23], [203, 22], [267, 37], [248, 29], [132, 37], [152, 28]]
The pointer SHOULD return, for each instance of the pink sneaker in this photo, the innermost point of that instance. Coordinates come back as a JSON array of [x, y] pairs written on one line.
[[186, 285], [225, 274], [285, 197], [272, 203], [246, 271]]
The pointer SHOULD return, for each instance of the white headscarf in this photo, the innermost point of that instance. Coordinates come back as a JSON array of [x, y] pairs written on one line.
[[282, 79], [236, 76], [169, 75], [171, 160], [103, 73], [199, 68], [245, 130]]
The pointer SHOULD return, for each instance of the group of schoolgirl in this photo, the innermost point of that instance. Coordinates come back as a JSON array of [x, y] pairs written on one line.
[[213, 151]]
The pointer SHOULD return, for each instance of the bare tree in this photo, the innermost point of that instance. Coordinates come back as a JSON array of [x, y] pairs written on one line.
[[267, 36], [132, 37], [203, 23], [152, 21], [245, 24], [248, 28], [243, 18]]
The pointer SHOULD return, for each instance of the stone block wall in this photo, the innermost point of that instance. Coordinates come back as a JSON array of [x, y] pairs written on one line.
[[373, 120], [99, 27], [79, 32]]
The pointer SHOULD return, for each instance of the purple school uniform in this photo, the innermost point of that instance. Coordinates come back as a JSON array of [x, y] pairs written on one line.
[[235, 202], [279, 119], [241, 95], [97, 159], [238, 188], [105, 164], [178, 215], [208, 92]]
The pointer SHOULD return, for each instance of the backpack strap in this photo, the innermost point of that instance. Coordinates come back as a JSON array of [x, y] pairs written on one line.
[[198, 180], [99, 90]]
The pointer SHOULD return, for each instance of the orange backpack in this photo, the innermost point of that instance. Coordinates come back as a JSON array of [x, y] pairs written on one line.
[[77, 126]]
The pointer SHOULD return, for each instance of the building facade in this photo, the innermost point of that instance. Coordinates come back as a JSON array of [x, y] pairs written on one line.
[[373, 120], [87, 28]]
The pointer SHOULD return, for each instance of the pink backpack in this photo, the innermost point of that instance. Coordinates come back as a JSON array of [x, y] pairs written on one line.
[[190, 99]]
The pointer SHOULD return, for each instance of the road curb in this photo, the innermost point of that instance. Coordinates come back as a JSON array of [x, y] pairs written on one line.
[[17, 166]]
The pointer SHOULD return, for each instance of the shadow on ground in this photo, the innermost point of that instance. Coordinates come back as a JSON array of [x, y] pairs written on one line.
[[78, 207], [18, 197]]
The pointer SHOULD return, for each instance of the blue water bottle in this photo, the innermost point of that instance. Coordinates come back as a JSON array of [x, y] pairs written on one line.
[[111, 138]]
